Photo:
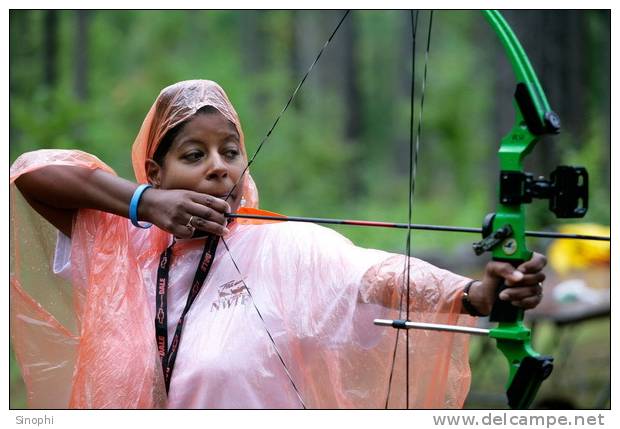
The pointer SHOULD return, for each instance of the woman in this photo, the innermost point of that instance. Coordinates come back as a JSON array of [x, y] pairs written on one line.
[[281, 313]]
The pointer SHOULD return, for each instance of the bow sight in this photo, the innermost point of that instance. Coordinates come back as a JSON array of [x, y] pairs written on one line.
[[567, 190]]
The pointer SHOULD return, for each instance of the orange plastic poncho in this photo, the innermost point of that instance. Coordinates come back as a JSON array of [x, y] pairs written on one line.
[[90, 342]]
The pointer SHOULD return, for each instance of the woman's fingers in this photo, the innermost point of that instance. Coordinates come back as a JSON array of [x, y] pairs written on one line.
[[187, 228], [535, 264], [209, 201], [208, 226], [529, 302], [183, 212], [206, 214], [524, 284], [517, 293], [182, 231]]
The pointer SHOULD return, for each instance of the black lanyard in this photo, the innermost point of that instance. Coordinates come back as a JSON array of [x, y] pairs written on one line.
[[168, 356]]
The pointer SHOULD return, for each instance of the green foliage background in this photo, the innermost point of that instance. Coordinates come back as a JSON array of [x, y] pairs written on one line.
[[312, 165], [308, 167]]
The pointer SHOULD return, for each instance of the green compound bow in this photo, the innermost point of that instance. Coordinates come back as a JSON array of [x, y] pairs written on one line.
[[504, 231]]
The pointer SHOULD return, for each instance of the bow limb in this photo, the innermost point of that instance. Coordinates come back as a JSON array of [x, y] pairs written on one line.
[[527, 368], [504, 231]]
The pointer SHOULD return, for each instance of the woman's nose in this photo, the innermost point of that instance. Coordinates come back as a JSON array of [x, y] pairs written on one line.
[[217, 168]]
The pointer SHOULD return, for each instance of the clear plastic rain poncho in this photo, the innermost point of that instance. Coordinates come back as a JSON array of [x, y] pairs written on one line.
[[85, 337]]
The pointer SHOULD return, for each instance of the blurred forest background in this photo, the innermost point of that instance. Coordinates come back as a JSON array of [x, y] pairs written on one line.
[[86, 79]]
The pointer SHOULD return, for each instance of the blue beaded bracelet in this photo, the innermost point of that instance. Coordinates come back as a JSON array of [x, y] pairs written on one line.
[[133, 207]]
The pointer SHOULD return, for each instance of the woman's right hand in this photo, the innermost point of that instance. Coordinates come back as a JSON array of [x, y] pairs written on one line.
[[173, 209]]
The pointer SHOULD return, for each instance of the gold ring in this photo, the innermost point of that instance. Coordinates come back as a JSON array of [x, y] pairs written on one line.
[[189, 223]]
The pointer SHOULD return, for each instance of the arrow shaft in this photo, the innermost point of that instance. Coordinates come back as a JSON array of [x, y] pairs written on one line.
[[404, 324], [422, 227]]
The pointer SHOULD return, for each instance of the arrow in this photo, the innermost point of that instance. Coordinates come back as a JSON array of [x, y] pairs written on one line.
[[378, 224]]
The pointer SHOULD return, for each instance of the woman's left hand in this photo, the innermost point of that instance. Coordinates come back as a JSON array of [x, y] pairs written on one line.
[[524, 284]]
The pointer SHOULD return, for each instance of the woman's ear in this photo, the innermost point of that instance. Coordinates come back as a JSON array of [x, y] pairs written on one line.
[[153, 172]]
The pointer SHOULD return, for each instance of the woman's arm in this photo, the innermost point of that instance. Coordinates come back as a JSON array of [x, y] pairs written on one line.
[[435, 288], [57, 192]]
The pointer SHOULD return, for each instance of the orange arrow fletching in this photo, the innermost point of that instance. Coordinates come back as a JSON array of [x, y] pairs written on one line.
[[251, 211]]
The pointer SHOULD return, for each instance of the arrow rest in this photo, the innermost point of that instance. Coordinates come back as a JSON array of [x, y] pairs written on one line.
[[491, 238]]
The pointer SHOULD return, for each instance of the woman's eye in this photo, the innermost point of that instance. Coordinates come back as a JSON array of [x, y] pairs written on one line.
[[193, 156], [232, 153]]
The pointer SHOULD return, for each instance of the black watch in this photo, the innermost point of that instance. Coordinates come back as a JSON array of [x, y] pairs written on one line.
[[467, 305]]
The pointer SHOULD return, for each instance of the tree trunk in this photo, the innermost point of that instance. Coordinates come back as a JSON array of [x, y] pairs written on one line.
[[351, 92], [81, 54], [50, 51], [352, 99], [402, 82]]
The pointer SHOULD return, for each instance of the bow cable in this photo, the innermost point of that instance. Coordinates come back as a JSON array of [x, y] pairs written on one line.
[[410, 187], [413, 163]]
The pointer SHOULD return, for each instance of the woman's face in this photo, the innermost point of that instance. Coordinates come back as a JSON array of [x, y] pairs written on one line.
[[205, 156]]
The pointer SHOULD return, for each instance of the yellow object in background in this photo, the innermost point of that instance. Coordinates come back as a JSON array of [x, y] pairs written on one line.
[[568, 255]]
